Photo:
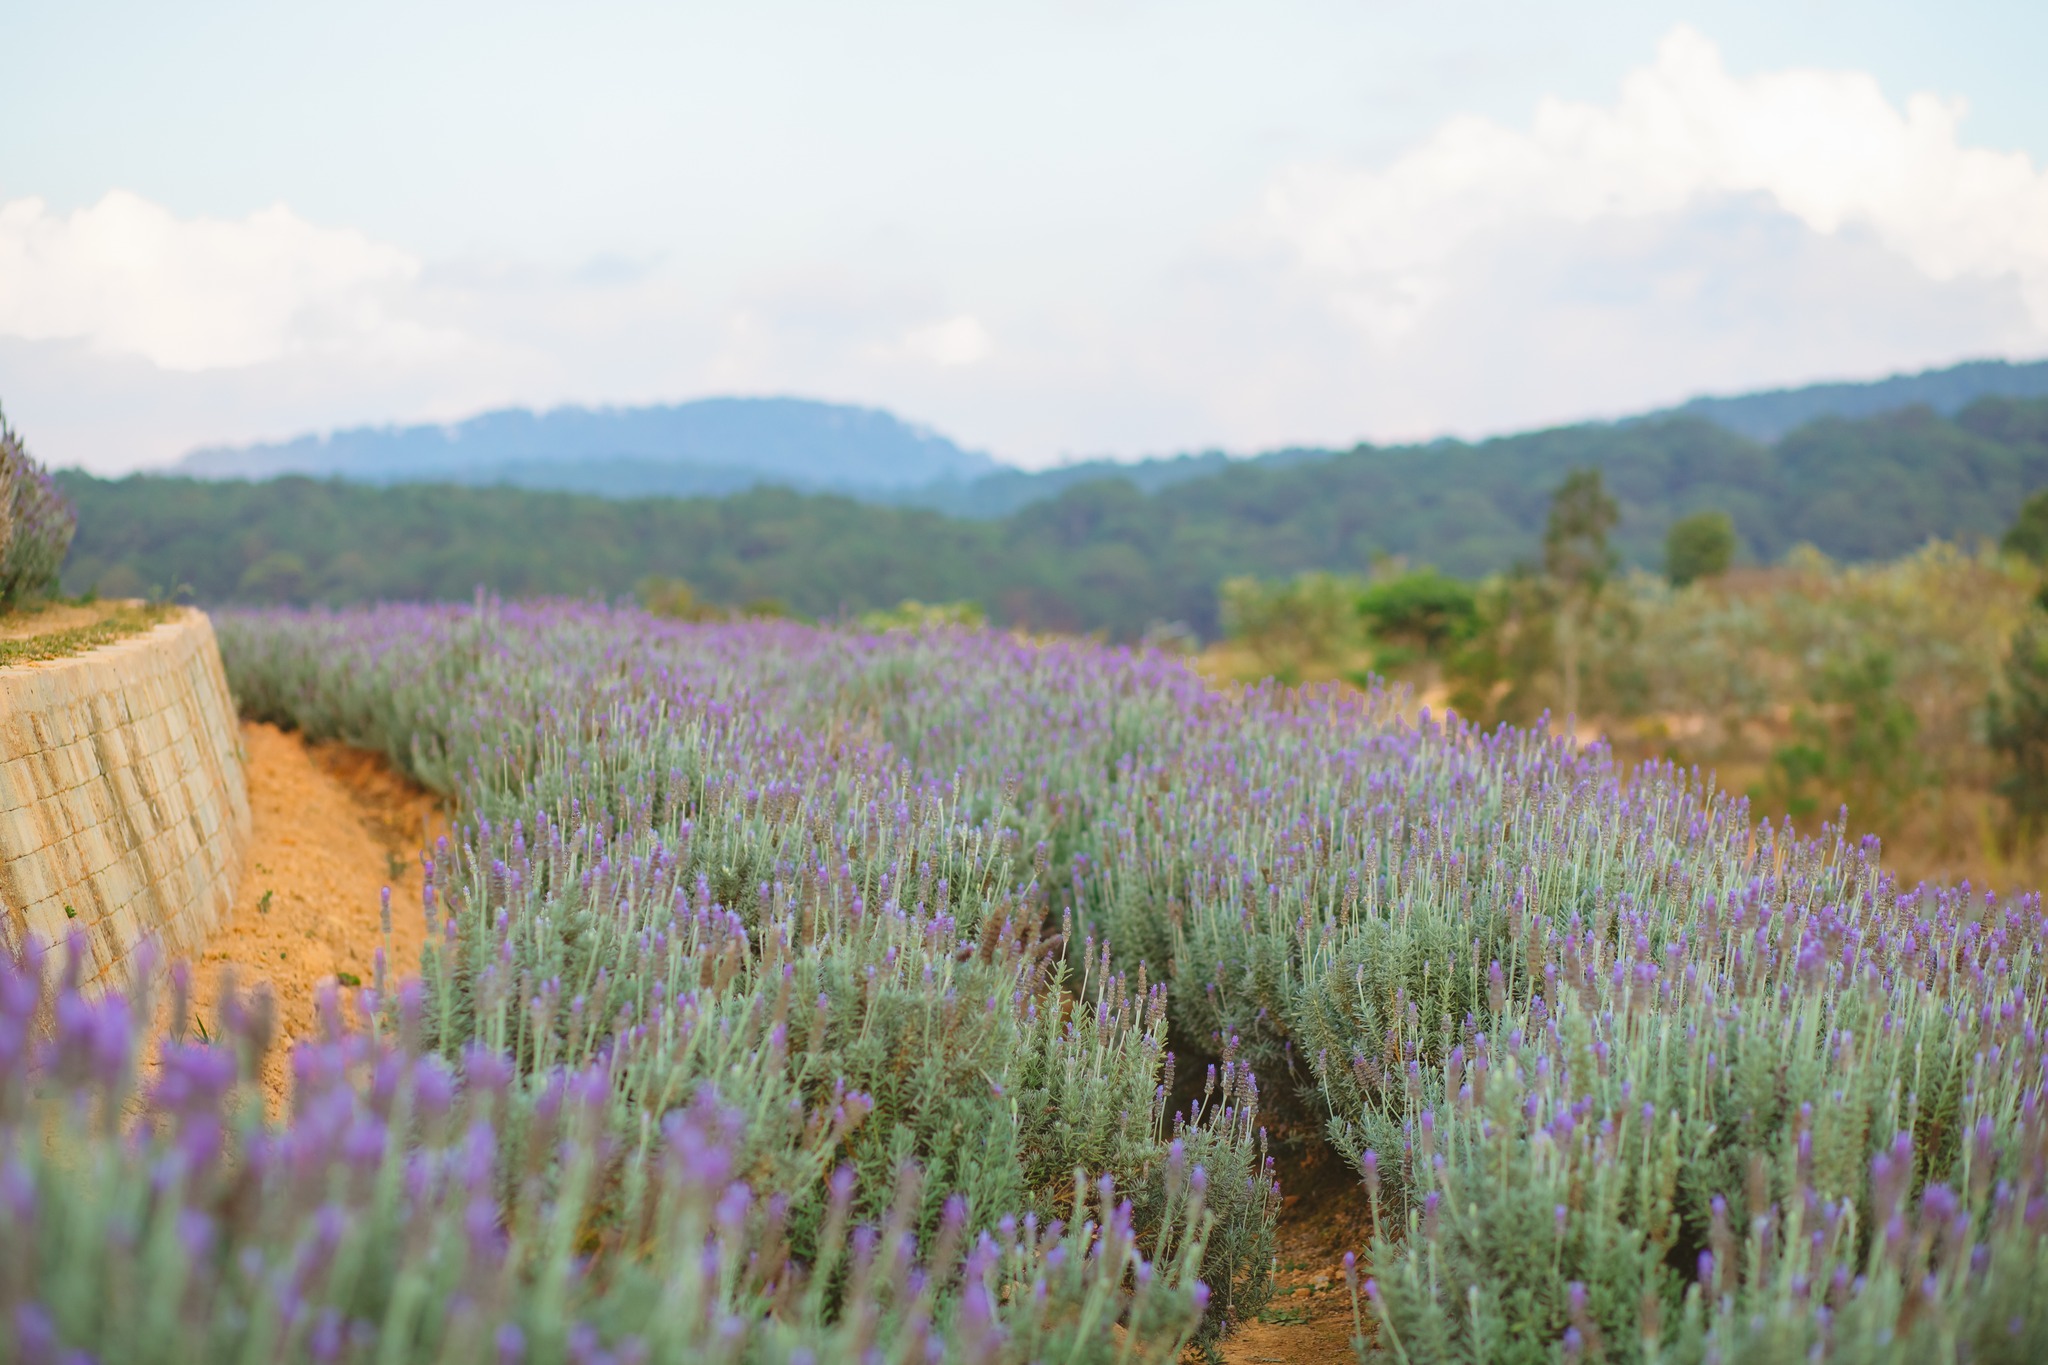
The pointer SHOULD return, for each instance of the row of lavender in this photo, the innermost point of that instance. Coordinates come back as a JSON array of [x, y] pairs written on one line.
[[1627, 1076], [806, 886], [415, 1209], [679, 933], [1563, 1022]]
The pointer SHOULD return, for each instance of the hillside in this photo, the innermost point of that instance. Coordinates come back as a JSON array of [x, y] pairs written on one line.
[[1102, 555], [1771, 414], [715, 445], [718, 446]]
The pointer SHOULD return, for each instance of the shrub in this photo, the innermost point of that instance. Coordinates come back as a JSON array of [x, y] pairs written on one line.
[[476, 1212], [2016, 727], [1505, 671], [1292, 626], [694, 851], [36, 524], [1631, 1076], [2028, 535], [1423, 609], [911, 614], [1699, 546]]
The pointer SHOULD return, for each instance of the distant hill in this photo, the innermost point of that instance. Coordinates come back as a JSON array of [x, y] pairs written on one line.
[[1766, 416], [1771, 414], [1011, 490], [720, 446], [712, 446], [1101, 554]]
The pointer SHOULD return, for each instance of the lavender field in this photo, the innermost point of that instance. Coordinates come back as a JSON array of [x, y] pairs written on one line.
[[796, 994]]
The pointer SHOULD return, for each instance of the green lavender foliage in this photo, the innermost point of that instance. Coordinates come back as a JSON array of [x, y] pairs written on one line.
[[1785, 1132], [1578, 1026], [1371, 910], [415, 1210], [36, 524], [702, 858]]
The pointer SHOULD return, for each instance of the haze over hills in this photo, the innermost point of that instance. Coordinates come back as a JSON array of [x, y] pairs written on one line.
[[717, 446], [711, 446]]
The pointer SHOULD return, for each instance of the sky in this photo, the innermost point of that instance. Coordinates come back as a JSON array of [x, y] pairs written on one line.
[[1052, 230]]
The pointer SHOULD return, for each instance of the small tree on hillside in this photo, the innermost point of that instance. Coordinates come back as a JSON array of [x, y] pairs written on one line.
[[2016, 727], [1422, 610], [1579, 560], [1498, 675], [1699, 546], [2028, 536], [1307, 622]]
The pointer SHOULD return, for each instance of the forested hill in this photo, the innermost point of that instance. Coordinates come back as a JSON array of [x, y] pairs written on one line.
[[711, 446], [1774, 412], [1102, 555]]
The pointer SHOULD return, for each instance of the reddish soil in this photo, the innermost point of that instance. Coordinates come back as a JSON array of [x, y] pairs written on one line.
[[332, 826], [1323, 1215]]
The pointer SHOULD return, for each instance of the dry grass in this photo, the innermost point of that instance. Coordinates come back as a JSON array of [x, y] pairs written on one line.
[[58, 630]]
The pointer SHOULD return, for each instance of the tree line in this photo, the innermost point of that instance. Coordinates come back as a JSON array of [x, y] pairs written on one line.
[[1103, 556], [1912, 691]]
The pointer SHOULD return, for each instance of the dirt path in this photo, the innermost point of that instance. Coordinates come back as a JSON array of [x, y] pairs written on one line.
[[331, 828], [1308, 1322]]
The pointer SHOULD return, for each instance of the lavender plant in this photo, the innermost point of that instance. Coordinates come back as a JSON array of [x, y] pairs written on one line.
[[413, 1209], [36, 523], [694, 852], [951, 896]]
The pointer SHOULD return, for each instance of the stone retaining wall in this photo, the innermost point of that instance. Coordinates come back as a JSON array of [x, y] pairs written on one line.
[[124, 812]]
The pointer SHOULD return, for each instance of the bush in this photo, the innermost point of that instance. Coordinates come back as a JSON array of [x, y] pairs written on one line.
[[1423, 609], [910, 614], [1632, 1076], [2016, 727], [1699, 546], [2028, 535], [36, 524], [472, 1212], [1292, 626]]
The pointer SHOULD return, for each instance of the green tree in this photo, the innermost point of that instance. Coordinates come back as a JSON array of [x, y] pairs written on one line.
[[1579, 560], [1873, 731], [1307, 622], [1424, 610], [1699, 546], [911, 614], [1497, 675], [2016, 727], [1857, 739], [2028, 536], [279, 576]]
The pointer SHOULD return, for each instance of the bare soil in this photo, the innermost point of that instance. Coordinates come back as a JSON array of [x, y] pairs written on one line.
[[332, 826], [1323, 1214]]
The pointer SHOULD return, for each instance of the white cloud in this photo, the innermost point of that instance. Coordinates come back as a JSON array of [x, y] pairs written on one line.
[[1699, 232], [127, 276], [948, 343], [1825, 147]]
